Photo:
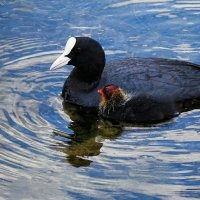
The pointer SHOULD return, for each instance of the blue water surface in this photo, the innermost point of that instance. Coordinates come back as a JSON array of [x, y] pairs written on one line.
[[50, 151]]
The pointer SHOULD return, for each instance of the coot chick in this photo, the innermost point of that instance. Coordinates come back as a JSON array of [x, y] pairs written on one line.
[[115, 104], [157, 77]]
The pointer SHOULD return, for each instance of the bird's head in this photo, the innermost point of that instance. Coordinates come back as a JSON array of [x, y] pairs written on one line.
[[86, 54], [112, 96]]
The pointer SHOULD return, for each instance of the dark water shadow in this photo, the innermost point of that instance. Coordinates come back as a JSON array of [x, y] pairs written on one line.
[[89, 133]]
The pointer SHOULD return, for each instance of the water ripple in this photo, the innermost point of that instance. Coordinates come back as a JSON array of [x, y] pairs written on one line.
[[26, 109], [126, 3], [51, 150]]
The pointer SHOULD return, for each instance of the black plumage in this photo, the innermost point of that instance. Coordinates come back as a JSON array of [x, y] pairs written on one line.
[[156, 77]]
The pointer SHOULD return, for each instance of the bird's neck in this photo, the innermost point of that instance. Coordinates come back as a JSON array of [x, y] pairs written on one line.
[[89, 74], [83, 82], [119, 98]]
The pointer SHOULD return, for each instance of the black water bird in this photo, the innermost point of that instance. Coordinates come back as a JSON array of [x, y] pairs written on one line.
[[157, 77]]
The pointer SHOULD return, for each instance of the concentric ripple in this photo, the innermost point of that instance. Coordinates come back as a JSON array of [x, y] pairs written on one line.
[[30, 109], [39, 136], [50, 150]]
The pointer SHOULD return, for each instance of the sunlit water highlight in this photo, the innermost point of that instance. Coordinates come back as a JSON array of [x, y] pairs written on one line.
[[52, 151]]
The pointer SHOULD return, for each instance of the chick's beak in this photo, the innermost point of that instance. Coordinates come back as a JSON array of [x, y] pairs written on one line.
[[100, 91]]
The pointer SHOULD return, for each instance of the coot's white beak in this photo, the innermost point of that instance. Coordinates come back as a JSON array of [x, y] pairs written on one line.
[[63, 60]]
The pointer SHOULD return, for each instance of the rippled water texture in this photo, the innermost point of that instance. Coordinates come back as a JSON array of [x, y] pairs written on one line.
[[54, 151]]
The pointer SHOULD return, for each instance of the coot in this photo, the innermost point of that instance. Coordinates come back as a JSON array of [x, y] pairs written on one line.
[[116, 104], [157, 77]]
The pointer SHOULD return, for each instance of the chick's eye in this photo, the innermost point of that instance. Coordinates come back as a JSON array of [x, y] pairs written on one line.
[[106, 91]]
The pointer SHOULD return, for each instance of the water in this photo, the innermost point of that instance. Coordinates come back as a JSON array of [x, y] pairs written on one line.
[[39, 156]]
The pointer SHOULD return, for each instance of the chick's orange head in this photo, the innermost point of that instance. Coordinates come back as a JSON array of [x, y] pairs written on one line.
[[108, 90]]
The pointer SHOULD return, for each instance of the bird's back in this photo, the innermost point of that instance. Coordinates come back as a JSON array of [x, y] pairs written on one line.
[[155, 76], [143, 108], [160, 78]]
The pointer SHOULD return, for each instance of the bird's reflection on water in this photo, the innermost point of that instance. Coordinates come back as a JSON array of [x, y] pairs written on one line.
[[90, 131], [89, 134]]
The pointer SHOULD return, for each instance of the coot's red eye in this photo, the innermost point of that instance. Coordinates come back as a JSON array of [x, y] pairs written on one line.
[[77, 50]]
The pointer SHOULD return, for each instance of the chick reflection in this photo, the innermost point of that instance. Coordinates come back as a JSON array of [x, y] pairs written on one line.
[[89, 133]]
